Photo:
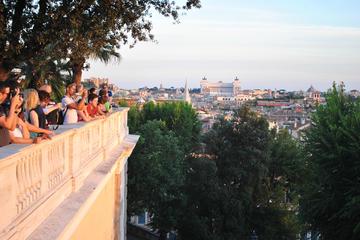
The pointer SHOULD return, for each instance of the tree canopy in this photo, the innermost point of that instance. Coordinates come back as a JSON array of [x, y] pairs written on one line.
[[178, 117], [65, 33], [253, 175], [330, 199], [242, 181], [157, 167], [156, 174]]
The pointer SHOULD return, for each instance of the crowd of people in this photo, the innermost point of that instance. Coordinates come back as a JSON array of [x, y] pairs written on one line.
[[32, 116]]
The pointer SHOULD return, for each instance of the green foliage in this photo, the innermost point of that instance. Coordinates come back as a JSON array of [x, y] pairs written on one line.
[[157, 167], [286, 169], [123, 103], [239, 148], [41, 33], [179, 117], [239, 184], [245, 179], [135, 119], [330, 202], [156, 174], [202, 193]]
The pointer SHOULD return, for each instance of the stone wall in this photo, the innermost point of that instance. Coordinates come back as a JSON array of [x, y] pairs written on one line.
[[56, 189]]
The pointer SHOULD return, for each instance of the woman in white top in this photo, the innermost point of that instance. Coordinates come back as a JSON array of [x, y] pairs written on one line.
[[21, 134]]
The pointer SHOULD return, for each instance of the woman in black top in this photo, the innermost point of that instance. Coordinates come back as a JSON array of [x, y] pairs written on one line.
[[38, 114]]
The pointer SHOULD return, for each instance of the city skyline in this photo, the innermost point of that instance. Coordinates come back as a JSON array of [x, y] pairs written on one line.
[[266, 45]]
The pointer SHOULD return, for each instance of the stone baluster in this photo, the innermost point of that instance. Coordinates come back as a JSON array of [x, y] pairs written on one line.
[[31, 174], [28, 172], [56, 163], [20, 185], [95, 138]]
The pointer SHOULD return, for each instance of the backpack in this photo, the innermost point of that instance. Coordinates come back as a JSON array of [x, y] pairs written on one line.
[[61, 116], [53, 116]]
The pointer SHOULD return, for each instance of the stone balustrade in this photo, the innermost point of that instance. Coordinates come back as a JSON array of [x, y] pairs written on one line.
[[35, 179]]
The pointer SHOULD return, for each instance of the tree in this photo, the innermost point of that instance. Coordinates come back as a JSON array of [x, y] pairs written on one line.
[[276, 217], [179, 117], [201, 200], [98, 28], [245, 182], [156, 175], [27, 38], [14, 22], [157, 168], [135, 119], [330, 200], [240, 150], [38, 33]]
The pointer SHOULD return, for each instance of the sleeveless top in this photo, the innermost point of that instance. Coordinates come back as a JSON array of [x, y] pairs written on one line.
[[41, 116]]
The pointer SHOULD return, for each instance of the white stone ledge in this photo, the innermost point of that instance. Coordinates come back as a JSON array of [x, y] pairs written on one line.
[[64, 220], [38, 175]]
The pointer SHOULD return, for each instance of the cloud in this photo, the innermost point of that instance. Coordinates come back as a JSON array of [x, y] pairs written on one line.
[[261, 50]]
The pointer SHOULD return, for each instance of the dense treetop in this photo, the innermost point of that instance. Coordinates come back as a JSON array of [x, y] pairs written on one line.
[[45, 37], [330, 200]]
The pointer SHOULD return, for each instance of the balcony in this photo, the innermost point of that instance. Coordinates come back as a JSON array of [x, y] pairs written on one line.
[[72, 187]]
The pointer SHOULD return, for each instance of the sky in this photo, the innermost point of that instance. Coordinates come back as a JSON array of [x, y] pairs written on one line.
[[277, 44]]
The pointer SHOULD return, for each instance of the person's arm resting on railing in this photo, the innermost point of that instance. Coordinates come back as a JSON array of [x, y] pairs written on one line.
[[35, 129]]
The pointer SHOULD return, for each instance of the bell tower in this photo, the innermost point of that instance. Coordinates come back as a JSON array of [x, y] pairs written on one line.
[[203, 85], [236, 86]]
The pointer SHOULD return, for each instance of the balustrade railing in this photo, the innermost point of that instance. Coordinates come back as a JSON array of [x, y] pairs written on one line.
[[30, 174]]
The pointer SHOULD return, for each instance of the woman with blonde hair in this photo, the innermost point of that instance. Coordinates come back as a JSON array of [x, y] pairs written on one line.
[[34, 112], [24, 130]]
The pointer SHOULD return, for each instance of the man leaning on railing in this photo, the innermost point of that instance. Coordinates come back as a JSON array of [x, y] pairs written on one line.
[[71, 106]]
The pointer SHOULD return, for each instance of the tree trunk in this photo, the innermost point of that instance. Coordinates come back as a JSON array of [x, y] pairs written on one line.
[[3, 24], [4, 72], [36, 81], [77, 69], [17, 23]]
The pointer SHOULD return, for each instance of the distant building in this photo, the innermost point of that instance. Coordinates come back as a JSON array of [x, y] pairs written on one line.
[[207, 120], [264, 103], [259, 92], [220, 88], [97, 82], [313, 94], [161, 89], [142, 219], [354, 93]]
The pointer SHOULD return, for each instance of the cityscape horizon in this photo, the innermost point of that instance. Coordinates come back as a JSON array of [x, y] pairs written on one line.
[[245, 85], [266, 45]]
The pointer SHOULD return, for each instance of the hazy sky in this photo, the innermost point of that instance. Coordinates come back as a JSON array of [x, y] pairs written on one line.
[[265, 43]]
